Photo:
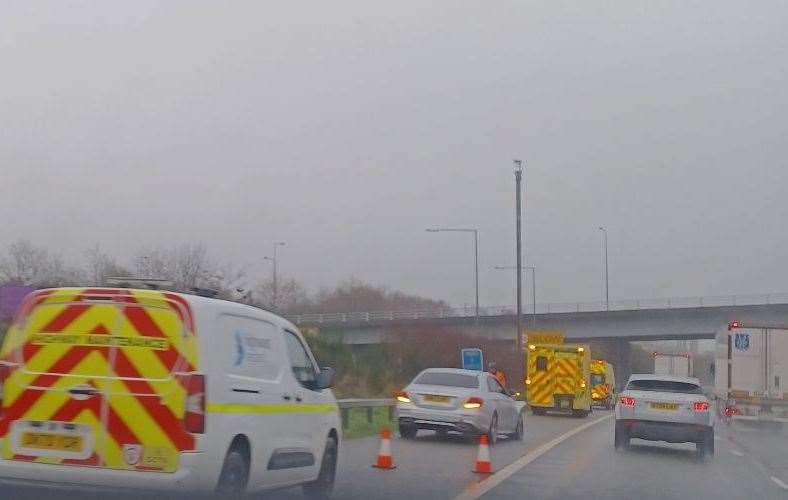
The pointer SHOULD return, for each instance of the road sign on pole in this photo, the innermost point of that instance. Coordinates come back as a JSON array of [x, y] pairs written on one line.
[[472, 359]]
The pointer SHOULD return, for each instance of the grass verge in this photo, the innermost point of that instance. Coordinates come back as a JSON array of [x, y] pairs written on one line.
[[359, 427]]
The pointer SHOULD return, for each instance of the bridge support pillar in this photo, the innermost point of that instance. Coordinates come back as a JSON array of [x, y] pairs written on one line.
[[623, 363]]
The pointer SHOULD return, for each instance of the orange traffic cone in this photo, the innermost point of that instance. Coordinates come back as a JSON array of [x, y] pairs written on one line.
[[483, 465], [384, 455]]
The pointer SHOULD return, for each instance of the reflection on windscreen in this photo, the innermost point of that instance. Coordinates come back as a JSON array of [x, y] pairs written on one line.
[[449, 379], [597, 379], [664, 386]]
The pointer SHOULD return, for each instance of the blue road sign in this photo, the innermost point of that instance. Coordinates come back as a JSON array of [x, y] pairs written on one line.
[[472, 359]]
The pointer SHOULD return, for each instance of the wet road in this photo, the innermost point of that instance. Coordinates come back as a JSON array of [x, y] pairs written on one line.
[[749, 463], [588, 467]]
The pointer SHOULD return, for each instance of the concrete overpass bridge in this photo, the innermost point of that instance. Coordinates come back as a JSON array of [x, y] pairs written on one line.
[[609, 331]]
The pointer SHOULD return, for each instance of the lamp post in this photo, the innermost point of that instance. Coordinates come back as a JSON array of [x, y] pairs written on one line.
[[274, 284], [607, 281], [518, 175], [475, 253]]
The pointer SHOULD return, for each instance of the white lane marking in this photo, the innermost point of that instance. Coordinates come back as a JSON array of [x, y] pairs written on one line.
[[476, 490], [737, 453], [779, 483]]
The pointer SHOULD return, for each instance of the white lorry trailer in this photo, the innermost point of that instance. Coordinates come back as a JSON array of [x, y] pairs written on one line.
[[751, 371], [672, 364]]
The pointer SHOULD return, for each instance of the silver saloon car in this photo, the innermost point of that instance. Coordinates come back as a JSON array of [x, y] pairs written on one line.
[[462, 401], [664, 408]]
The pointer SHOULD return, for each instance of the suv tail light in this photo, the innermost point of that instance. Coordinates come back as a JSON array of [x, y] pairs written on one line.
[[402, 397], [700, 406], [473, 403], [194, 417], [5, 371], [627, 401]]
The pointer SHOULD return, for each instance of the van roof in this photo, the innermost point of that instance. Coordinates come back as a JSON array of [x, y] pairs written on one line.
[[196, 302]]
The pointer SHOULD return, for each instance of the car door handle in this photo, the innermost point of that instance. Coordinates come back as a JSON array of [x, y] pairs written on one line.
[[287, 397]]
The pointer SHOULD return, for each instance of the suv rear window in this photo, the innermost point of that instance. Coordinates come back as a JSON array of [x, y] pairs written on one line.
[[449, 379], [664, 386]]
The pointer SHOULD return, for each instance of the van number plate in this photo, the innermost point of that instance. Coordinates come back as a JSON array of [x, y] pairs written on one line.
[[47, 441]]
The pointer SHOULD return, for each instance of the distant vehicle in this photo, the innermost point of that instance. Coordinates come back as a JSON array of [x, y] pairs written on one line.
[[468, 402], [603, 384], [751, 372], [664, 408], [558, 378], [673, 364], [148, 389]]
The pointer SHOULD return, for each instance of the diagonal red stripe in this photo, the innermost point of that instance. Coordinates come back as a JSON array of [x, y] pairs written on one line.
[[162, 415]]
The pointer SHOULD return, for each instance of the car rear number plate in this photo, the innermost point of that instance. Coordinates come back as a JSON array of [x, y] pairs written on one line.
[[665, 406], [434, 398], [47, 441]]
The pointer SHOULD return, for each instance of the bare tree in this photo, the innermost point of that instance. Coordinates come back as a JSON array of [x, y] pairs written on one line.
[[99, 265], [290, 296], [27, 264]]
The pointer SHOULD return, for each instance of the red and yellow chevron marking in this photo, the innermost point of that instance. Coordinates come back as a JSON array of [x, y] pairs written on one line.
[[131, 347], [601, 390], [561, 377]]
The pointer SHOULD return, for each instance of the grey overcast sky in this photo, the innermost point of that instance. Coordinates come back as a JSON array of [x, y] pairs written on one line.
[[347, 128]]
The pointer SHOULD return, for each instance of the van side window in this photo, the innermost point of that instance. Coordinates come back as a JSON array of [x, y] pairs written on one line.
[[303, 368], [541, 364]]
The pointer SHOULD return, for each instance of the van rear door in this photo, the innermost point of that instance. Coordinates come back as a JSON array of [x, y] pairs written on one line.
[[98, 378]]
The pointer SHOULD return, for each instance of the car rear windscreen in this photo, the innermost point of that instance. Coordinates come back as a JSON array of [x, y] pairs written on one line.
[[448, 379], [664, 386]]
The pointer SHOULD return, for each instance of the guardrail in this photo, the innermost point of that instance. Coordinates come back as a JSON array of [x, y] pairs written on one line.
[[543, 308], [345, 405]]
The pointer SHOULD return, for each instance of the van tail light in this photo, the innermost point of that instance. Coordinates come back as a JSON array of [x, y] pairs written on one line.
[[700, 406], [5, 371], [402, 397], [627, 401], [194, 417], [473, 403]]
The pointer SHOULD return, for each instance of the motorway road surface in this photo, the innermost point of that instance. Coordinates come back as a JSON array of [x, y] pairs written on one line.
[[583, 465]]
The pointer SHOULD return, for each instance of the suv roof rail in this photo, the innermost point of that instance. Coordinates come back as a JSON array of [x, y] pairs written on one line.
[[205, 292]]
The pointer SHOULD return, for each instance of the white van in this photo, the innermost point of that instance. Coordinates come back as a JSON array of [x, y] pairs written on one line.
[[148, 389]]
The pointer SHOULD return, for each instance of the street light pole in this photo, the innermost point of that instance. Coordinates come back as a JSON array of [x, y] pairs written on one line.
[[475, 255], [518, 175], [607, 281], [274, 283]]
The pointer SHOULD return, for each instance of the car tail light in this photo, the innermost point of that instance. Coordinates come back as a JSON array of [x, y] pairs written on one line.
[[473, 403], [403, 397], [194, 417], [627, 401], [700, 406], [5, 371]]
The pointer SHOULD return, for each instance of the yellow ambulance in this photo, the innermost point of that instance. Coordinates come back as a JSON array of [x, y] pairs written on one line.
[[603, 383], [557, 378]]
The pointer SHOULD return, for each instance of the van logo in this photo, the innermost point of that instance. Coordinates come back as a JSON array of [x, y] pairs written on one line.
[[240, 351], [742, 341], [132, 453]]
